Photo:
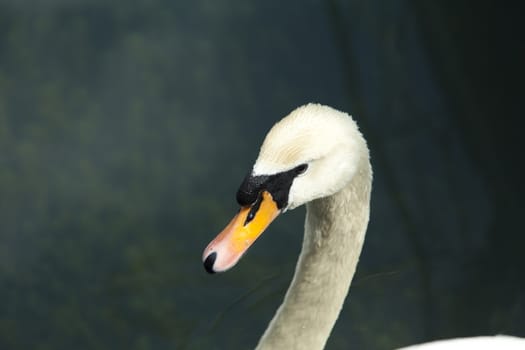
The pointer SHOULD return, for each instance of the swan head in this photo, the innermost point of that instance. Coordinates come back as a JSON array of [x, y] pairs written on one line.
[[311, 153]]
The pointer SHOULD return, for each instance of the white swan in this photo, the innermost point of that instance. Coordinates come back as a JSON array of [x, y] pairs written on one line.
[[314, 156]]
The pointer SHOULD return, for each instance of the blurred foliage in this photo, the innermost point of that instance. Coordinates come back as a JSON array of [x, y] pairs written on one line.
[[99, 165]]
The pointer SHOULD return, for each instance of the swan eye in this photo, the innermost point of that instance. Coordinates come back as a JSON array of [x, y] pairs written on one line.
[[301, 169]]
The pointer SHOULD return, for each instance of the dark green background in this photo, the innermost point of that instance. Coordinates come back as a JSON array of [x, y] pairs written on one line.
[[126, 127]]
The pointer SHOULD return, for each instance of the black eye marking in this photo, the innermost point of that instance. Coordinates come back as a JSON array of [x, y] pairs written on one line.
[[250, 188], [254, 209], [278, 185], [301, 169]]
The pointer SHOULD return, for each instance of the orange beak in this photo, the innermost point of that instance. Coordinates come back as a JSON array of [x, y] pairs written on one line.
[[230, 245]]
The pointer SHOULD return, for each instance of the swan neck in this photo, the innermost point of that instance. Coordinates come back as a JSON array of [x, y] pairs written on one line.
[[335, 228]]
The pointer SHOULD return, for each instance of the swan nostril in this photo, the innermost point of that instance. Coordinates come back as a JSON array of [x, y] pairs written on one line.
[[210, 260]]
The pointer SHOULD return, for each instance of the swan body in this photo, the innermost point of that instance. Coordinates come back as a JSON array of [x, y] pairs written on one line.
[[315, 156], [478, 343]]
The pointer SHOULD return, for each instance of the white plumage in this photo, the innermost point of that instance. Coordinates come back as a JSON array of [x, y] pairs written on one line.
[[336, 190]]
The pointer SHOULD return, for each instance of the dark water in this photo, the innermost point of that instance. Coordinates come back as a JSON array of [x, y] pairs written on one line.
[[125, 129]]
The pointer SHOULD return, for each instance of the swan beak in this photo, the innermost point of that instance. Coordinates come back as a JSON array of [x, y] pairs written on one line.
[[229, 246]]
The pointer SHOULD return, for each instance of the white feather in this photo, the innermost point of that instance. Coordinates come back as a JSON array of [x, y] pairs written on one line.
[[336, 190]]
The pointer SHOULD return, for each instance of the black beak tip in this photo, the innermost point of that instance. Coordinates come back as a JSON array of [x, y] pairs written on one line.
[[209, 261]]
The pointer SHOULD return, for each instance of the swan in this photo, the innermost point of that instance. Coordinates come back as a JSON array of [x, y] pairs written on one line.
[[318, 157]]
